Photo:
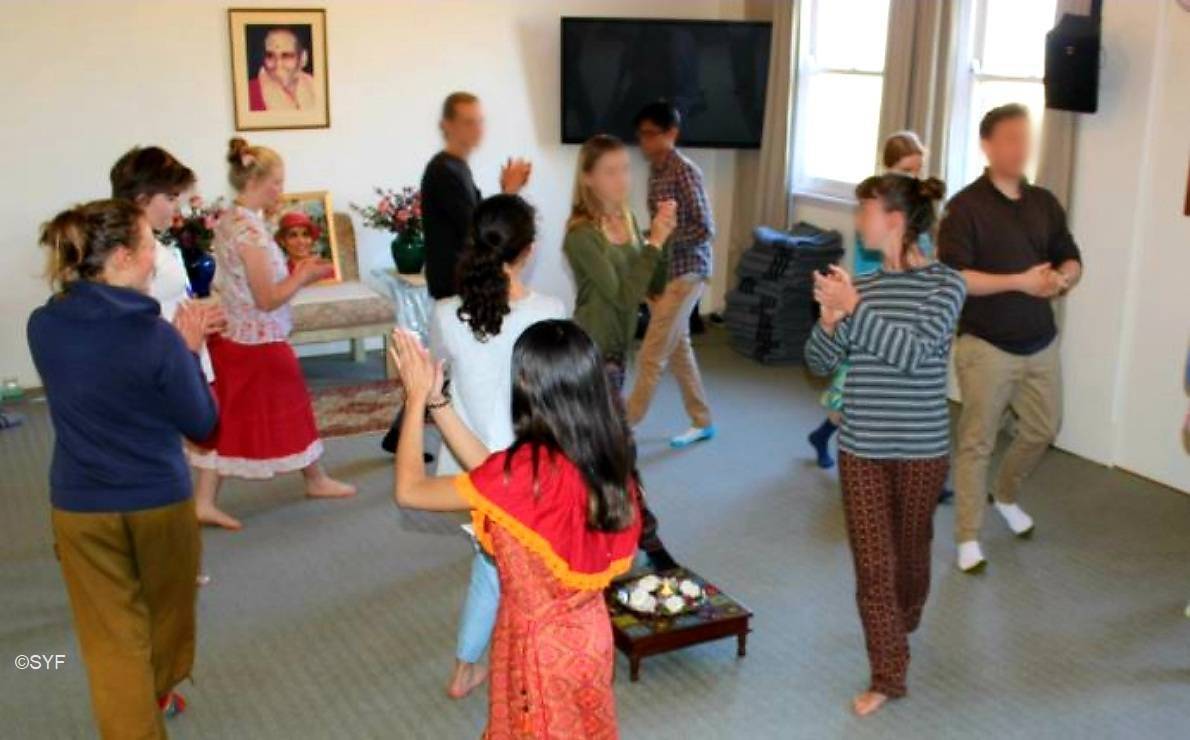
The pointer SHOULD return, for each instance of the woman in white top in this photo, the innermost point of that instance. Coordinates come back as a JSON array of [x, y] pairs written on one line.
[[154, 179], [473, 333]]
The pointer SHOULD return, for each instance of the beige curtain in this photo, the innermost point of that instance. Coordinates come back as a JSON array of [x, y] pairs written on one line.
[[1059, 134], [772, 177], [762, 177], [918, 73]]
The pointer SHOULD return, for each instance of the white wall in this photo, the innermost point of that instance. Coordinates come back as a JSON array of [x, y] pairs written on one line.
[[87, 80], [1127, 326]]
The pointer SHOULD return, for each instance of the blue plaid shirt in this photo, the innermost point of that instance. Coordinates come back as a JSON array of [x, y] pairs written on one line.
[[679, 179]]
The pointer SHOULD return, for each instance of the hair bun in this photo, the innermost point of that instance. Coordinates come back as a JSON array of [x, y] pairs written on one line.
[[493, 238], [236, 149], [931, 188]]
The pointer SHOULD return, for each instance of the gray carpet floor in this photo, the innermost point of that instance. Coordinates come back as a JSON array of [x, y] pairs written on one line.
[[336, 619]]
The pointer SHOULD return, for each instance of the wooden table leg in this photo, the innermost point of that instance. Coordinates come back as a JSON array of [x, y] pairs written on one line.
[[742, 644], [634, 668]]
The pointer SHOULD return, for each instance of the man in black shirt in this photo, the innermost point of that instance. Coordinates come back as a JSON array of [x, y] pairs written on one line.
[[448, 193], [1011, 243], [448, 198]]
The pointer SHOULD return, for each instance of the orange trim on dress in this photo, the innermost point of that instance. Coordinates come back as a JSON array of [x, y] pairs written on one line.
[[483, 510]]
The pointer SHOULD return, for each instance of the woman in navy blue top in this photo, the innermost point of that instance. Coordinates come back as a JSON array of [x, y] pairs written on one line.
[[123, 388]]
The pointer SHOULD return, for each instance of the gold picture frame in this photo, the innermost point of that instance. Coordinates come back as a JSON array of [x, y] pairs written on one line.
[[317, 205], [279, 68]]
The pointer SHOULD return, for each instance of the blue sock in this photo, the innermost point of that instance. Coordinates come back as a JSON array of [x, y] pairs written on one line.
[[820, 438]]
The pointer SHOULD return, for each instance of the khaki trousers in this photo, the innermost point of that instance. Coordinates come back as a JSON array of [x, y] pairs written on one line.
[[131, 577], [667, 342], [992, 381]]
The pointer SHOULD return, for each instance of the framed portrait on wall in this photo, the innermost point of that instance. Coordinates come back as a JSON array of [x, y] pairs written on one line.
[[278, 68], [304, 228]]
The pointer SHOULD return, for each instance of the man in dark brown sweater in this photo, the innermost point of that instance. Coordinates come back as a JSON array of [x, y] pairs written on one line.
[[1010, 241]]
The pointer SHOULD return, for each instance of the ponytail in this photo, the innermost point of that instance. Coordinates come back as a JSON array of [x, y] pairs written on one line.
[[502, 229], [247, 163], [912, 197], [79, 240]]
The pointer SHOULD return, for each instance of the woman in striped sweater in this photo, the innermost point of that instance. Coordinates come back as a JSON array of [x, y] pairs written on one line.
[[894, 327]]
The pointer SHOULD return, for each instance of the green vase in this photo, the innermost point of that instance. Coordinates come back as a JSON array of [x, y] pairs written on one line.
[[409, 252]]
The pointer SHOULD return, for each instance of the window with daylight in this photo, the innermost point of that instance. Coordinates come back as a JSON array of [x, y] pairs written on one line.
[[1001, 60], [840, 78]]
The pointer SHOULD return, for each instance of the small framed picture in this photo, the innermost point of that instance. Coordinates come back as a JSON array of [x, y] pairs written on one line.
[[278, 68], [305, 229]]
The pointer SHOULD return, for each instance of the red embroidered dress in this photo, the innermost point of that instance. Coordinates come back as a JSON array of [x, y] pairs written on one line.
[[552, 650]]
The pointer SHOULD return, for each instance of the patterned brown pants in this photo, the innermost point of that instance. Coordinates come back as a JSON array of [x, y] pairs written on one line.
[[889, 506]]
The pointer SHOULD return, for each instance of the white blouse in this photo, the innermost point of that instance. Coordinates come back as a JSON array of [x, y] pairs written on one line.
[[481, 372], [171, 288]]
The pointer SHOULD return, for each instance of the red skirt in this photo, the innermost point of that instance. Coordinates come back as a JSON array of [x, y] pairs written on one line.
[[266, 422]]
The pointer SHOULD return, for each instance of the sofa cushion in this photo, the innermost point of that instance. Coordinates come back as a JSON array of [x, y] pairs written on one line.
[[336, 305]]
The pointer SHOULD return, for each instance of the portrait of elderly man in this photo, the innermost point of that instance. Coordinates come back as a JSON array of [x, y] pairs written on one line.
[[283, 80]]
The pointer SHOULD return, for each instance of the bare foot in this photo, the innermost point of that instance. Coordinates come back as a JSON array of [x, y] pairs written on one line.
[[868, 702], [216, 517], [327, 487], [467, 677]]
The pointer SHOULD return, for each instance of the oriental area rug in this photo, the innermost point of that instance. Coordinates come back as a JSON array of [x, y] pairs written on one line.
[[363, 408]]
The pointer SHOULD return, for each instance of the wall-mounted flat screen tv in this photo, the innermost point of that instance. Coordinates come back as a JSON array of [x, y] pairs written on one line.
[[715, 72]]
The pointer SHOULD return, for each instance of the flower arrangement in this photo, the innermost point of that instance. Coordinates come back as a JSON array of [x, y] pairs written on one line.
[[195, 230], [398, 211], [661, 596]]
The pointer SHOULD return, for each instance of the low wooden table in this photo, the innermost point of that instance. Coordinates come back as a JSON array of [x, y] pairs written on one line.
[[639, 636]]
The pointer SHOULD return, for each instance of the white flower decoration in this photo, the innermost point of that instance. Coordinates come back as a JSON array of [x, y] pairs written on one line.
[[689, 589], [674, 604], [649, 583], [642, 601]]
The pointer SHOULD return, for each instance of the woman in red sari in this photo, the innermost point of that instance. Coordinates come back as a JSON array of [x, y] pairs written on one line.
[[559, 511]]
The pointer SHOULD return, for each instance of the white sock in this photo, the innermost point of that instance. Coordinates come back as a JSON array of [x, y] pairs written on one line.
[[970, 555], [1018, 521]]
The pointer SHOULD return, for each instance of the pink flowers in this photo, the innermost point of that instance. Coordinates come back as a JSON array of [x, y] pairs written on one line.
[[196, 229], [398, 211]]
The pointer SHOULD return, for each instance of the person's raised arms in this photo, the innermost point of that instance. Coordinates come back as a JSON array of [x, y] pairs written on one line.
[[422, 377]]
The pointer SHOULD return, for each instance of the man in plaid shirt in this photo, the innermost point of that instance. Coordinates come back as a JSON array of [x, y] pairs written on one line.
[[667, 342]]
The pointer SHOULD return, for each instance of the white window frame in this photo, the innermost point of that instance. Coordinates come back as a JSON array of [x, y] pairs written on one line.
[[802, 184], [969, 48]]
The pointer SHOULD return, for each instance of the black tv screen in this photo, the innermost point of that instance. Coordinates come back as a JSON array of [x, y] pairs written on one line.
[[715, 72]]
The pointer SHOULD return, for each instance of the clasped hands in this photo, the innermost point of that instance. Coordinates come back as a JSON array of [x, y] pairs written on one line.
[[421, 375], [835, 294], [197, 320], [1043, 281]]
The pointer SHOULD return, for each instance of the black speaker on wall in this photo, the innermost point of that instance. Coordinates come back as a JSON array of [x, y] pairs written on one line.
[[1072, 63]]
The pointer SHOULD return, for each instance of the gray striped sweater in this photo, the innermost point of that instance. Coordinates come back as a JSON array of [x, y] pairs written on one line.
[[896, 346]]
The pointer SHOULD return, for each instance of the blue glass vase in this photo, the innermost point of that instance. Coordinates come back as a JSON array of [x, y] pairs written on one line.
[[200, 268]]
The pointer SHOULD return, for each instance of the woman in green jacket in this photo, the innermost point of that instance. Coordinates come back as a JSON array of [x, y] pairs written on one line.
[[614, 268], [614, 265]]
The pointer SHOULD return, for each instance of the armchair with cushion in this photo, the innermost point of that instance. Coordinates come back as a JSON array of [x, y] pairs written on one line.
[[349, 309]]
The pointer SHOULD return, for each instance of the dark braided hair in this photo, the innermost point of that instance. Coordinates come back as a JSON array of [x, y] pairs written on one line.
[[913, 197], [502, 229]]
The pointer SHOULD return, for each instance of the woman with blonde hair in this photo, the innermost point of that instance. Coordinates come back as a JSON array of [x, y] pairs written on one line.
[[266, 422], [614, 267]]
